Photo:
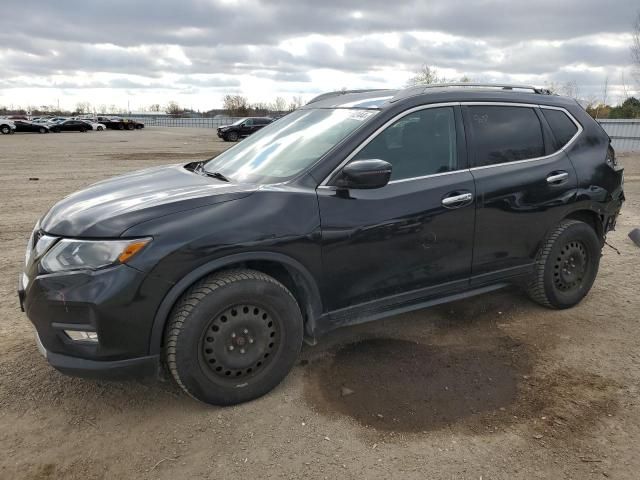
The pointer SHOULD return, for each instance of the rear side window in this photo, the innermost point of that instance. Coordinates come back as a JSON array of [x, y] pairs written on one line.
[[419, 144], [562, 126], [505, 134]]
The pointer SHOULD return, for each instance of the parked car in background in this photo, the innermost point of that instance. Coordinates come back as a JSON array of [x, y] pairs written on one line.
[[7, 126], [70, 126], [94, 125], [56, 119], [25, 126], [118, 123], [242, 128]]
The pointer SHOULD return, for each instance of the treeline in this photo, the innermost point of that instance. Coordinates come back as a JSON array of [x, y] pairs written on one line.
[[630, 108]]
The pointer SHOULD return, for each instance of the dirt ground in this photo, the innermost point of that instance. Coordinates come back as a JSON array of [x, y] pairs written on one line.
[[493, 387]]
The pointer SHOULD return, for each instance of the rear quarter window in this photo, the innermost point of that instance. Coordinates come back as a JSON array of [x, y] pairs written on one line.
[[562, 126]]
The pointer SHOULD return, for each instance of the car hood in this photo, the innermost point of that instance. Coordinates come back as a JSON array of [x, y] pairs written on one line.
[[108, 208]]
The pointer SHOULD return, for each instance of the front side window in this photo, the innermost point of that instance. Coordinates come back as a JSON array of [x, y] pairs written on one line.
[[248, 123], [285, 148], [419, 144], [504, 134]]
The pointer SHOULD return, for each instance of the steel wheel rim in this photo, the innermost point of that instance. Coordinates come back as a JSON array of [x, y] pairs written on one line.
[[240, 342], [570, 266]]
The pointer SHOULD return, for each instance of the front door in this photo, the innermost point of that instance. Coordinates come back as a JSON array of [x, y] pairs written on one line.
[[412, 238]]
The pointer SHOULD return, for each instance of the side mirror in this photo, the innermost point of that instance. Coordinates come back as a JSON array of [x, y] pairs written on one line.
[[365, 174]]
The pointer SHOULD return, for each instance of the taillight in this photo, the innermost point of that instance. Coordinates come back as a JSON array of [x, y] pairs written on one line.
[[611, 158]]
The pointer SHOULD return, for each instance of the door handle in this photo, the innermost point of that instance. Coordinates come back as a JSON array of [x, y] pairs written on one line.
[[457, 200], [557, 177]]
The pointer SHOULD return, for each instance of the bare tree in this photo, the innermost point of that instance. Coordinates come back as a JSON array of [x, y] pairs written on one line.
[[296, 102], [83, 107], [570, 89], [173, 108], [605, 94], [154, 108], [279, 105], [236, 105], [635, 45], [424, 76]]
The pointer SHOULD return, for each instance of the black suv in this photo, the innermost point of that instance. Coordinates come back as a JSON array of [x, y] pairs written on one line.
[[242, 128], [355, 207]]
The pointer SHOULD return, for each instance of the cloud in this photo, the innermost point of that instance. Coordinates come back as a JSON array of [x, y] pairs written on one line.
[[201, 46]]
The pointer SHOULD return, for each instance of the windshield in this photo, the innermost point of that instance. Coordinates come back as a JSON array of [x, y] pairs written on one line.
[[286, 147], [238, 122]]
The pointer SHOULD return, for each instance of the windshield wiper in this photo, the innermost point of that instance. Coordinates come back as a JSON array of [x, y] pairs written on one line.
[[198, 167], [217, 175]]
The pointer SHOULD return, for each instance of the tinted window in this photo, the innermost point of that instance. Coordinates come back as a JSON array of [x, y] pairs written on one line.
[[248, 123], [505, 134], [562, 126], [421, 143]]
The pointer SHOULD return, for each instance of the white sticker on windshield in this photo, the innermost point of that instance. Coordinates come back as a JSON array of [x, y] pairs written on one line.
[[360, 114]]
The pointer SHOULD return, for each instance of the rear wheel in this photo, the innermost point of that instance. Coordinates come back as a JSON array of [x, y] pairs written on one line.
[[83, 130], [5, 129], [130, 126], [233, 337], [99, 129], [42, 130], [121, 126], [566, 265]]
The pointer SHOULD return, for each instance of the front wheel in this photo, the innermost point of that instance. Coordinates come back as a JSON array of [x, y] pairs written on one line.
[[566, 265], [233, 136], [42, 130], [100, 129], [5, 130], [233, 337]]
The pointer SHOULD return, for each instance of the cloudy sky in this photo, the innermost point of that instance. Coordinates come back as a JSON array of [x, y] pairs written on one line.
[[141, 52]]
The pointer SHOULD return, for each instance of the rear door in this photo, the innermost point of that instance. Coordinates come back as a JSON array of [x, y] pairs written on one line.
[[524, 183], [412, 238]]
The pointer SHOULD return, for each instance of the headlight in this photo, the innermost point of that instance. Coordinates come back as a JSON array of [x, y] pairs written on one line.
[[69, 254]]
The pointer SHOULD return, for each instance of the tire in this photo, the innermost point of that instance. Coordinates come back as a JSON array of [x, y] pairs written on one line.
[[130, 126], [42, 130], [233, 136], [5, 129], [83, 130], [121, 126], [566, 265], [99, 129], [221, 319]]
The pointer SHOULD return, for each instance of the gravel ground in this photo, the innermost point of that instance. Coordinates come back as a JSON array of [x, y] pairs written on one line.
[[494, 387]]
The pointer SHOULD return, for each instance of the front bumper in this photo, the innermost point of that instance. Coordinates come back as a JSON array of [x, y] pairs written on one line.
[[115, 369], [117, 303]]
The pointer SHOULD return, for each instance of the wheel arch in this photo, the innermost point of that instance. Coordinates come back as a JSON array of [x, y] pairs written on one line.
[[288, 271], [591, 218]]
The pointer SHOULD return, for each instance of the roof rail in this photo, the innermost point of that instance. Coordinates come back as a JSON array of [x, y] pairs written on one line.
[[502, 86], [342, 92], [420, 89]]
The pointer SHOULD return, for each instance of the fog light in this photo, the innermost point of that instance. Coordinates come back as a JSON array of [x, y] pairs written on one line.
[[82, 336]]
